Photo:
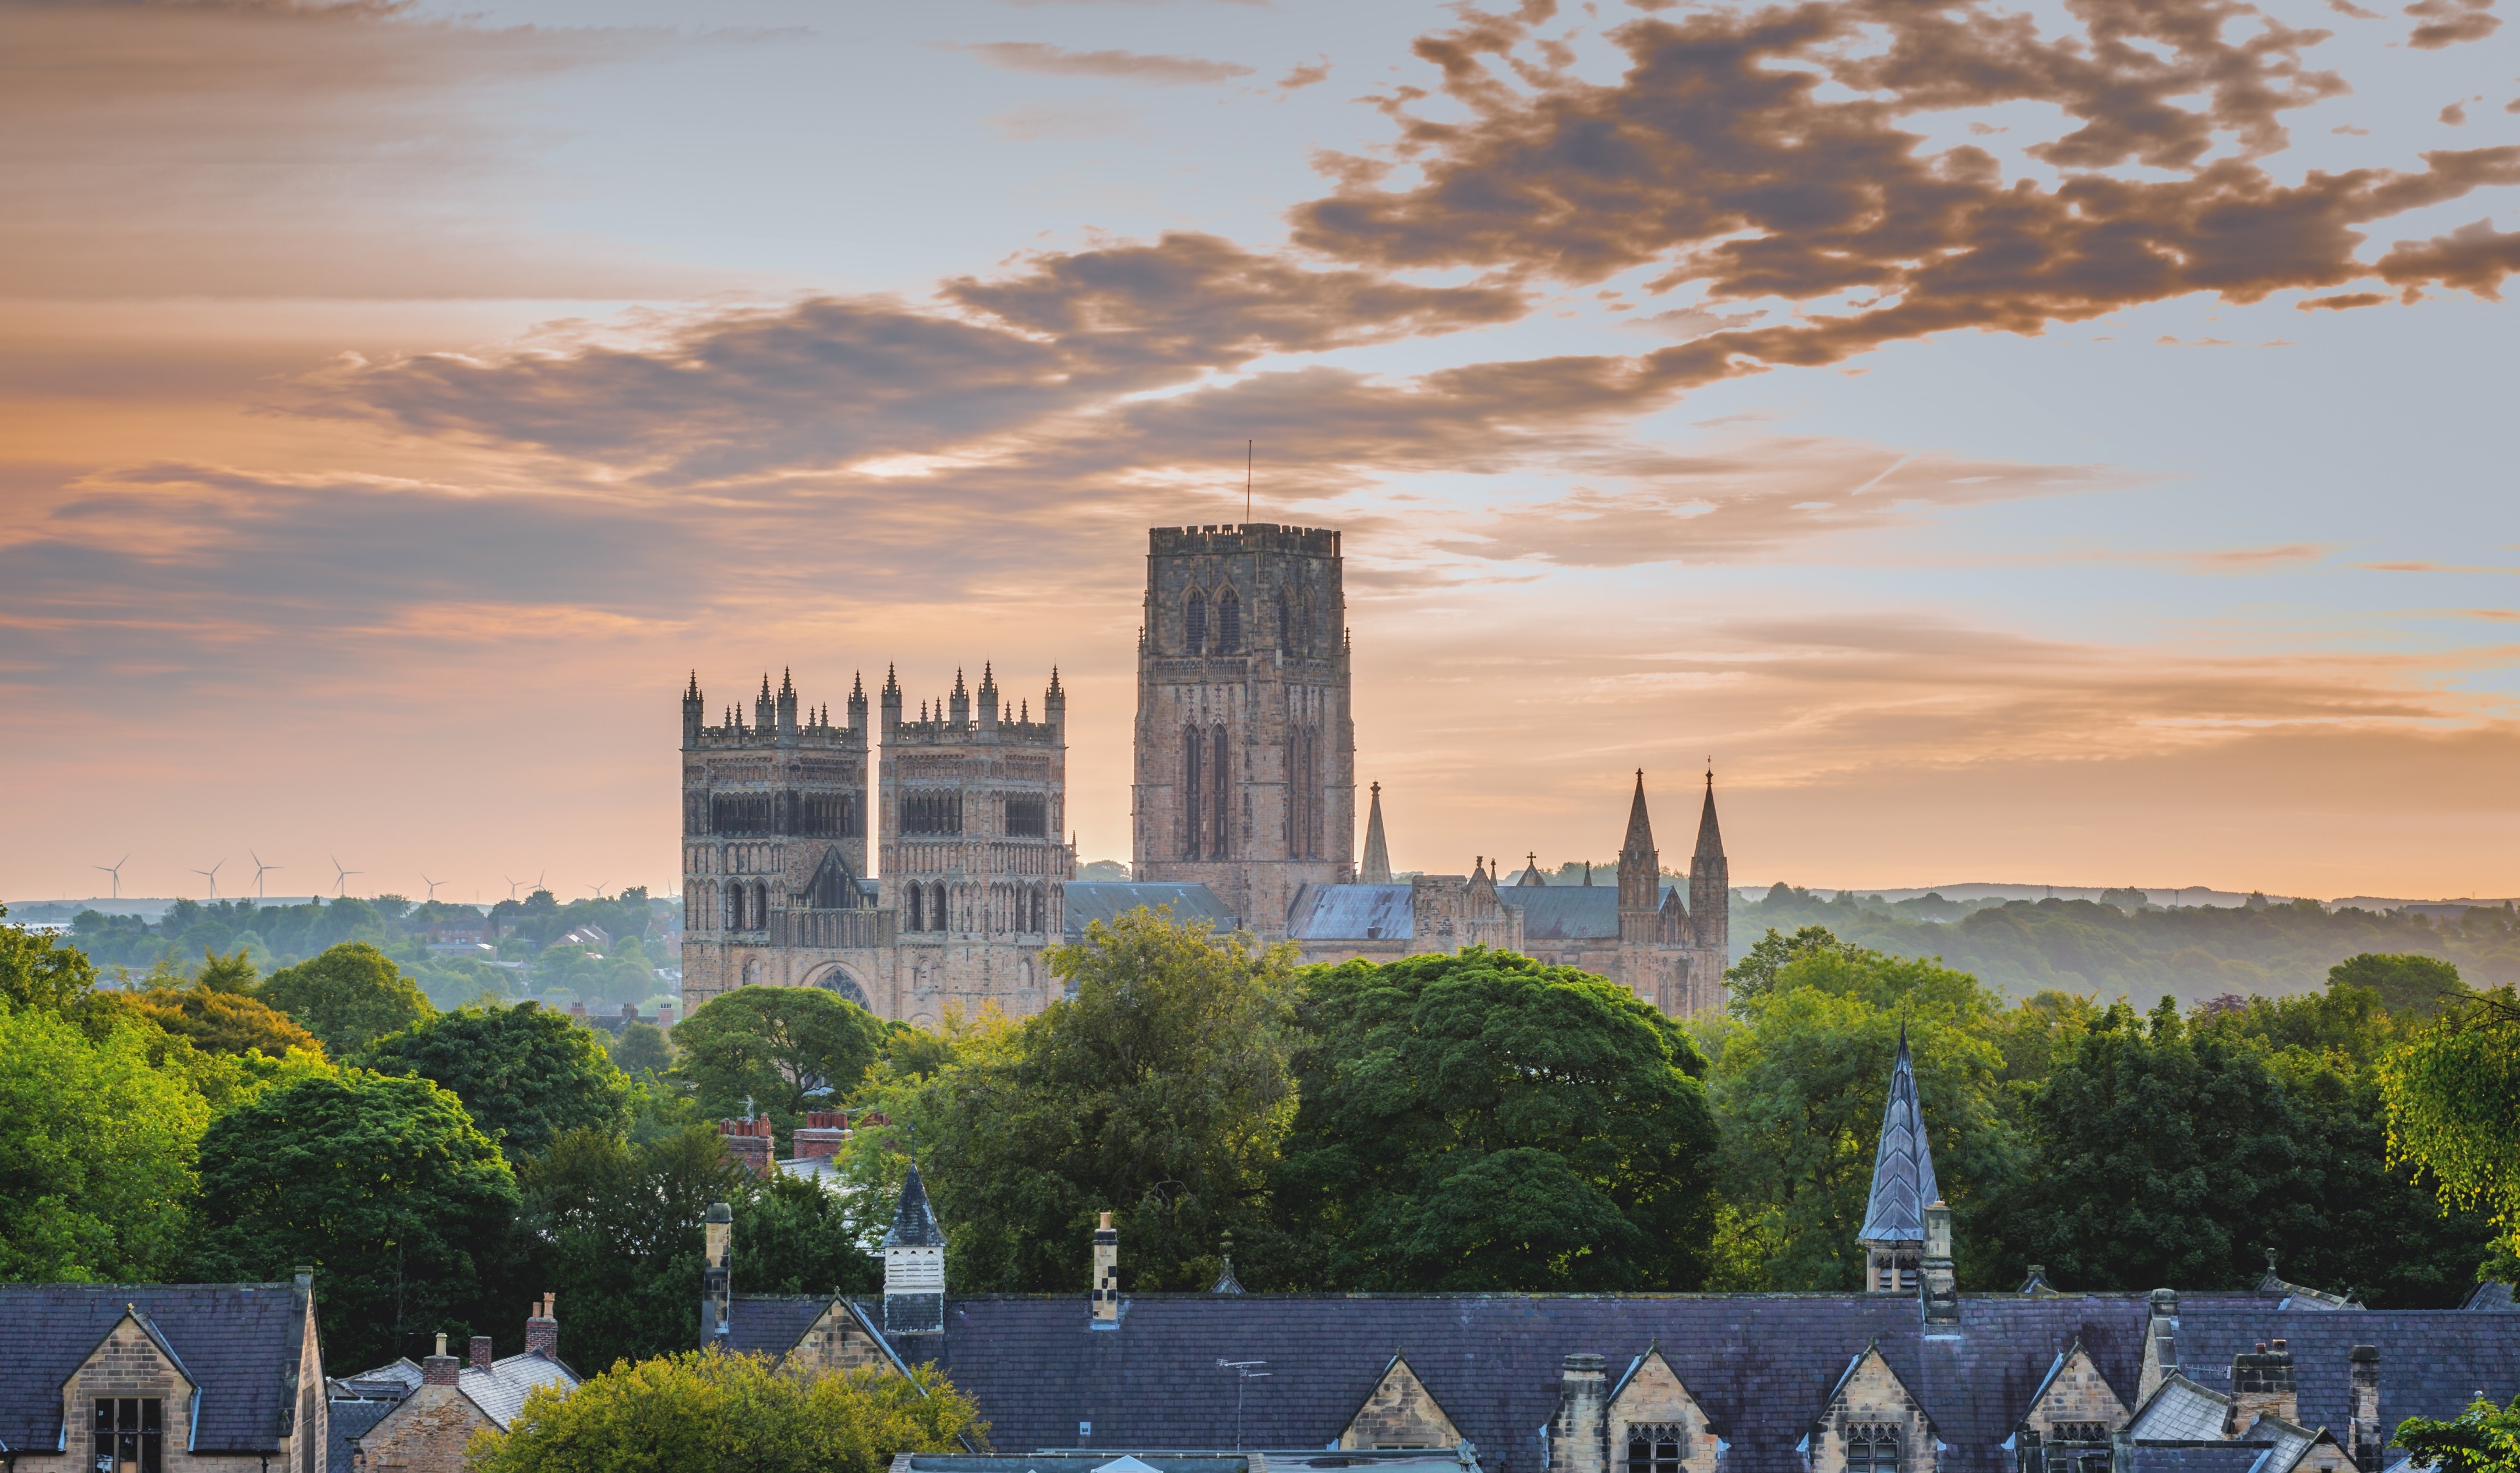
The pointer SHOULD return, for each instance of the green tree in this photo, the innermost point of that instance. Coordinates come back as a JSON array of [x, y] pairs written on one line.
[[615, 1226], [1481, 1121], [233, 974], [2484, 1438], [793, 1237], [220, 1021], [349, 996], [1755, 975], [39, 971], [1799, 1091], [785, 1048], [642, 1049], [2408, 983], [1157, 1090], [707, 1411], [382, 1184], [97, 1152], [2452, 1098], [2166, 1156], [525, 1076]]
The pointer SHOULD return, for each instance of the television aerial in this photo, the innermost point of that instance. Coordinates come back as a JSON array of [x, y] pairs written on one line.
[[260, 869], [212, 876], [342, 877], [115, 870]]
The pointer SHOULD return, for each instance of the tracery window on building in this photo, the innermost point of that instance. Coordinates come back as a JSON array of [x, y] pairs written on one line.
[[1194, 758], [1228, 624], [130, 1434], [932, 814], [1872, 1447], [1194, 623], [1221, 793], [1656, 1448], [1027, 816]]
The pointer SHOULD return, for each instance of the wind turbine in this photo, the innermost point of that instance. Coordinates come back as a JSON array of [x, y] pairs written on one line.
[[259, 868], [511, 886], [212, 876], [598, 888], [341, 876], [432, 885], [115, 870]]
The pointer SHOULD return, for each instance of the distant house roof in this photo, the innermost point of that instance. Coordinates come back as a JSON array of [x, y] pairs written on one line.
[[2491, 1294], [350, 1419], [1107, 900], [1351, 913], [499, 1391], [240, 1344]]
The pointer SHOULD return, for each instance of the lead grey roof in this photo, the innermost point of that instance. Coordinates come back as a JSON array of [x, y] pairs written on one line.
[[239, 1342], [2493, 1294], [771, 1324], [1570, 913], [2215, 1457], [347, 1419], [2181, 1410], [1351, 913], [1090, 900], [499, 1391], [1903, 1164]]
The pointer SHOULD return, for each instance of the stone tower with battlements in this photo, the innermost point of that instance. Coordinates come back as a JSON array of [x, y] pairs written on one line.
[[1245, 748], [774, 839], [971, 803]]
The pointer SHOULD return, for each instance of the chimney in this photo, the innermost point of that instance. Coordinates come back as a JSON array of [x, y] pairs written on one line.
[[481, 1352], [666, 1015], [2160, 1345], [1106, 1275], [818, 1137], [717, 1272], [1935, 1280], [441, 1368], [1575, 1443], [2364, 1366], [2262, 1386], [747, 1142], [542, 1330]]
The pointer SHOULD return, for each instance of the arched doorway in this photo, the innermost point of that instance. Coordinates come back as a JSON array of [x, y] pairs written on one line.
[[838, 980]]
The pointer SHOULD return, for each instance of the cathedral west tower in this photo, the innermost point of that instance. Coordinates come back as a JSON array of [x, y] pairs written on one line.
[[1246, 748]]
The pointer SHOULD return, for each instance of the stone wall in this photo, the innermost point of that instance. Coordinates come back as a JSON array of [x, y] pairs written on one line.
[[1872, 1396], [427, 1434], [1400, 1414]]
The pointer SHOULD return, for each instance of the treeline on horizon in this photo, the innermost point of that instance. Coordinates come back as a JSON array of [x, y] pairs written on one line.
[[1471, 1122], [2101, 950], [135, 952]]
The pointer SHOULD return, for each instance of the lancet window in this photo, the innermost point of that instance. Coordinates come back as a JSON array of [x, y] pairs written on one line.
[[1228, 624], [1221, 823], [1194, 623]]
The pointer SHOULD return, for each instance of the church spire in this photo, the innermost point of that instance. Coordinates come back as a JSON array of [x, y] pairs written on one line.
[[1639, 825], [1893, 1235], [1640, 873], [1710, 888], [1376, 869]]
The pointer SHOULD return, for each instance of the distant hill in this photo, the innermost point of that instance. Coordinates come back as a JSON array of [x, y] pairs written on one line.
[[2192, 953]]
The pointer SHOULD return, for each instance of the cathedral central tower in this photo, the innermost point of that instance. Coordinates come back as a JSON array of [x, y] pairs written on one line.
[[1245, 748]]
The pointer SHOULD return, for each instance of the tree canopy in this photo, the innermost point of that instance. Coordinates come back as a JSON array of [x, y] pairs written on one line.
[[1482, 1121], [2453, 1096], [709, 1410], [37, 971], [221, 1021], [2484, 1438], [786, 1050], [2411, 985], [97, 1152], [382, 1184], [525, 1075], [349, 996]]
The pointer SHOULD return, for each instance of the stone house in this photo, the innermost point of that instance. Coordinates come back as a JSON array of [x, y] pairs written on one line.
[[161, 1378], [406, 1419]]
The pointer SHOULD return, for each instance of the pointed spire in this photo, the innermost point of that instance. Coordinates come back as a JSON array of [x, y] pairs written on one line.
[[1903, 1164], [787, 681], [692, 690], [892, 680], [1710, 836], [1053, 680], [958, 682], [765, 684], [1376, 869], [914, 1221], [1640, 827]]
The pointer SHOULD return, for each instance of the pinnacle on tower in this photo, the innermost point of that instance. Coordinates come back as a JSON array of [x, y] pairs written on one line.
[[892, 682], [787, 681], [1640, 827], [1710, 837], [693, 692], [765, 684], [958, 682], [1376, 869], [1053, 680], [857, 686], [1903, 1164]]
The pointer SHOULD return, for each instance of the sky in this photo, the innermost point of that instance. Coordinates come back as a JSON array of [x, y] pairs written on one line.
[[2049, 443]]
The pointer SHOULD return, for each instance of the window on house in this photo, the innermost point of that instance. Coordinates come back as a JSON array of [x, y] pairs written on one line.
[[1655, 1449], [1872, 1450], [2079, 1432], [130, 1434]]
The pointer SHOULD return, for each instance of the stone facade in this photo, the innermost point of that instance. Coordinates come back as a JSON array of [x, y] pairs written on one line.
[[1399, 1413], [428, 1432], [965, 817], [1246, 748], [1872, 1424]]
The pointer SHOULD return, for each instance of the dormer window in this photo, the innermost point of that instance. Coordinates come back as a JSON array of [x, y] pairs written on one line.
[[1872, 1450], [130, 1434]]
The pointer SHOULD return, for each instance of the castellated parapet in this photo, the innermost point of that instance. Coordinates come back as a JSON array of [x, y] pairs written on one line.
[[1246, 774], [965, 816]]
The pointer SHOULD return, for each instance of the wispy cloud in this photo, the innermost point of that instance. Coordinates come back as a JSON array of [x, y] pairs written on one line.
[[1043, 59]]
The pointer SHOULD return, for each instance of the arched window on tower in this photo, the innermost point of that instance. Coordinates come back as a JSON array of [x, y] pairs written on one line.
[[733, 905], [760, 907], [1194, 623], [1228, 624], [1305, 642], [1220, 828], [1193, 753], [937, 920], [912, 918]]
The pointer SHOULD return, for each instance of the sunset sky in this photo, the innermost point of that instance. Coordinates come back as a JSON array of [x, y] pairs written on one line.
[[2067, 444]]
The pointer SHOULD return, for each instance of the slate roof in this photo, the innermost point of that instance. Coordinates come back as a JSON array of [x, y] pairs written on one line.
[[499, 1391], [1090, 900], [2182, 1410], [1351, 913], [239, 1342], [1761, 1366], [2490, 1295], [1903, 1164], [914, 1221], [348, 1419], [771, 1324], [2184, 1458]]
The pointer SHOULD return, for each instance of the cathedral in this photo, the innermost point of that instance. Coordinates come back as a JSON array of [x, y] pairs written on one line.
[[1242, 814]]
